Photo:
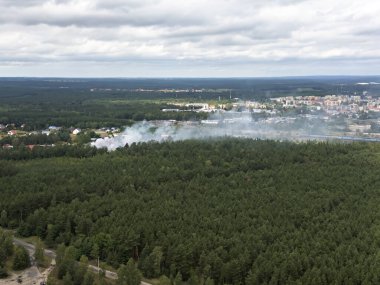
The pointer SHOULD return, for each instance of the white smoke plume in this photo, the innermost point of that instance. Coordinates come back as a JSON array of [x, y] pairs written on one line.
[[232, 125]]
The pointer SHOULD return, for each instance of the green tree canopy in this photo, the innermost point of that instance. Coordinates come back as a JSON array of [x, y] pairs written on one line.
[[21, 259]]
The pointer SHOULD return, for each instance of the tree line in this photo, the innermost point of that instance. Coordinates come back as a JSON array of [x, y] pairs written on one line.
[[38, 109], [36, 139]]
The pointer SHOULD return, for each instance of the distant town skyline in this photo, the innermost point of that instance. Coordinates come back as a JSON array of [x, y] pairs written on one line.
[[210, 38]]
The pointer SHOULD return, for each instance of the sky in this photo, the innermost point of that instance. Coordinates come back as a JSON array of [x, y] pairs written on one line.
[[189, 38]]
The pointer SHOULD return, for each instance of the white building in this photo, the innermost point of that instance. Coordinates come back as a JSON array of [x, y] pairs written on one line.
[[76, 131]]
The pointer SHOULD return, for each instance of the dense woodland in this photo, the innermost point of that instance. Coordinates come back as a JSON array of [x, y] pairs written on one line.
[[229, 211], [22, 153], [84, 110]]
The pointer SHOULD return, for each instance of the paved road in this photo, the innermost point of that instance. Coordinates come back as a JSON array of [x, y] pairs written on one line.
[[31, 249]]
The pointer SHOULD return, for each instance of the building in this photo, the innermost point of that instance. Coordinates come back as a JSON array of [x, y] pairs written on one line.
[[12, 133], [359, 128], [76, 131]]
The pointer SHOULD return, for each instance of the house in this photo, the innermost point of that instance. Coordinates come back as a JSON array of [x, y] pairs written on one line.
[[7, 146], [359, 128], [30, 146], [12, 133], [76, 131], [54, 128]]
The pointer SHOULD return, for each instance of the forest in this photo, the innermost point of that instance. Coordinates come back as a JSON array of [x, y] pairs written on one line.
[[226, 211], [83, 109]]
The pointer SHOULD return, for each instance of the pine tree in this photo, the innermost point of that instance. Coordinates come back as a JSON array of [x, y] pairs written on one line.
[[39, 254], [21, 259], [178, 279], [194, 279], [164, 280], [157, 259], [50, 236], [80, 271], [129, 274], [88, 279], [95, 251], [67, 279], [3, 218], [209, 281]]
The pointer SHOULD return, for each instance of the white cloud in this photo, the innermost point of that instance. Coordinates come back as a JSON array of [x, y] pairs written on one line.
[[189, 38]]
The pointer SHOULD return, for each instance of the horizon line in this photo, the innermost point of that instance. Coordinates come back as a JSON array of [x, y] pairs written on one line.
[[187, 77]]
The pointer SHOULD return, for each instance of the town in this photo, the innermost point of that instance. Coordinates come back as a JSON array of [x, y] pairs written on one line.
[[350, 114], [340, 115]]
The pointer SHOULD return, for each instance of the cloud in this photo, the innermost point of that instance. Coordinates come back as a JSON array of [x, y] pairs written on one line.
[[212, 35]]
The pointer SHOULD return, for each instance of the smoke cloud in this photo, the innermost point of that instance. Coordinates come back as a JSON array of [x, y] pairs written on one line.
[[219, 125]]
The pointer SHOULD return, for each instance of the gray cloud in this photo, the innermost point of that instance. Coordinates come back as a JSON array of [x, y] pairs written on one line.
[[181, 37]]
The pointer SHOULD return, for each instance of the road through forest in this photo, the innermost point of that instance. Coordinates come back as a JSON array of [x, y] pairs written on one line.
[[31, 249]]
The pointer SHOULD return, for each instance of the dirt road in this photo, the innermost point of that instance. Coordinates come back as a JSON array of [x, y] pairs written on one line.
[[33, 275], [30, 276]]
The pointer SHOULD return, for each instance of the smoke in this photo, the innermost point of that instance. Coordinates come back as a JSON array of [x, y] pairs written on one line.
[[229, 124]]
